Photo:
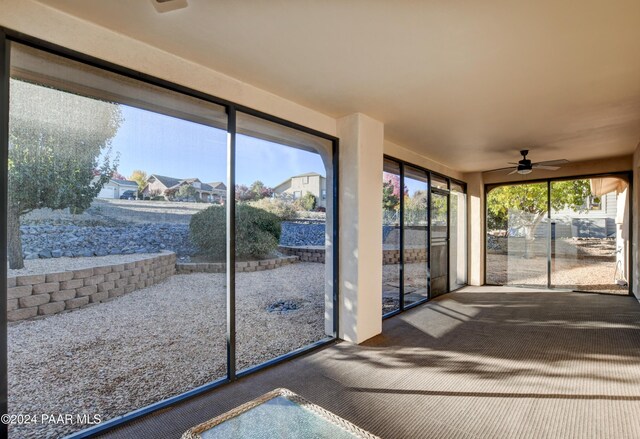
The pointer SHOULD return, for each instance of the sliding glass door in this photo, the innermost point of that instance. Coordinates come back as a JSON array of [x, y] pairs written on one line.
[[439, 242], [391, 237], [418, 261], [457, 237], [416, 235]]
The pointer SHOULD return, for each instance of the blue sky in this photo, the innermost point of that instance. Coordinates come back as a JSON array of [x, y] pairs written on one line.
[[159, 144]]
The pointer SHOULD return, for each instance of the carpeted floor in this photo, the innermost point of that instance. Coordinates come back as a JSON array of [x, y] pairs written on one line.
[[478, 363]]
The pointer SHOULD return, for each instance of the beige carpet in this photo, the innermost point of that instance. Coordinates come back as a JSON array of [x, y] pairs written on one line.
[[479, 363]]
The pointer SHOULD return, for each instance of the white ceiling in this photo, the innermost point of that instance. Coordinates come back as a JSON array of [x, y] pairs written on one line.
[[466, 83]]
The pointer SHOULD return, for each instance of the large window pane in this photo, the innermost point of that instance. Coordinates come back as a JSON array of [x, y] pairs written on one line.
[[284, 211], [439, 234], [110, 312], [517, 235], [589, 234], [458, 237], [391, 231], [416, 235]]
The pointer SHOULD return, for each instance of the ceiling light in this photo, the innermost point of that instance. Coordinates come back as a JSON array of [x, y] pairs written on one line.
[[524, 171], [169, 5]]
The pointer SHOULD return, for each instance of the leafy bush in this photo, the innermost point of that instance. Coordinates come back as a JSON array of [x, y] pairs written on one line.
[[283, 209], [308, 201], [257, 232]]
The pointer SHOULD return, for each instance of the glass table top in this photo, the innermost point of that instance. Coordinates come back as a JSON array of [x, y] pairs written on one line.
[[278, 414]]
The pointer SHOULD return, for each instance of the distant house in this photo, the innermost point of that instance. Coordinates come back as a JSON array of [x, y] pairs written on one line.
[[298, 185], [219, 190], [115, 188], [167, 187]]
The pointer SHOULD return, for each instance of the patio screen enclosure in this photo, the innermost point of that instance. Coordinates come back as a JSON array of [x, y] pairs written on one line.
[[423, 235], [570, 233], [199, 280]]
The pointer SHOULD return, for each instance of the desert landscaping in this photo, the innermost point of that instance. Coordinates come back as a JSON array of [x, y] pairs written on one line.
[[133, 315]]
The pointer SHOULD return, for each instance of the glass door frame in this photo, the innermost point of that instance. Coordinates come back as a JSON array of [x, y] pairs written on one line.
[[624, 175], [429, 174]]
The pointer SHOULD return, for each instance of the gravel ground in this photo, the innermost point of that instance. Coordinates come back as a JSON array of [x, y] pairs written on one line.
[[54, 265], [583, 274], [154, 343], [584, 264]]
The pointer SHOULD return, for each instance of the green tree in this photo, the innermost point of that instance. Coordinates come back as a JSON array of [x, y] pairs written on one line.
[[139, 177], [390, 201], [57, 141], [187, 192], [531, 200], [260, 191]]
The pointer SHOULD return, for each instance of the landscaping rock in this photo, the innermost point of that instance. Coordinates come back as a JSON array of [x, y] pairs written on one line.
[[302, 233], [54, 240]]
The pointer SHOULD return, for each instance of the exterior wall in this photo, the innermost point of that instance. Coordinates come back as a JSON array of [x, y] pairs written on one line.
[[155, 188], [475, 228], [315, 185], [46, 294], [635, 206]]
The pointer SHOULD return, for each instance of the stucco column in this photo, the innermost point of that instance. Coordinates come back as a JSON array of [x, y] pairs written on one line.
[[475, 225], [361, 157]]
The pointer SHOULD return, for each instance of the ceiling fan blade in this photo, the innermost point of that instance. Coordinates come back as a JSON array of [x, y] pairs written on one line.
[[553, 162], [546, 167], [513, 172], [512, 163]]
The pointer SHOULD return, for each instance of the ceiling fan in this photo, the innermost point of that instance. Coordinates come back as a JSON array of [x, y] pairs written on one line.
[[525, 166]]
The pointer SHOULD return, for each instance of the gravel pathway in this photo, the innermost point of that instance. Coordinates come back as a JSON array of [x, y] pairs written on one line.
[[155, 343]]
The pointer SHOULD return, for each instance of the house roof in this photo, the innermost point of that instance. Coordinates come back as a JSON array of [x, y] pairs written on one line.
[[124, 182], [217, 185], [167, 181], [171, 182]]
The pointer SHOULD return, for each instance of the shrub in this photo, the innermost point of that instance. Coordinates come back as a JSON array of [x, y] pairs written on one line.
[[308, 201], [283, 209], [257, 232]]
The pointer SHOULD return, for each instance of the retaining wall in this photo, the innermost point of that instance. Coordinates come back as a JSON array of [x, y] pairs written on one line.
[[46, 294], [389, 256], [304, 254], [246, 266]]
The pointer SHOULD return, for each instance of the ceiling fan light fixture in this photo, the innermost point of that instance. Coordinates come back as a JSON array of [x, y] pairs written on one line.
[[524, 171], [168, 5]]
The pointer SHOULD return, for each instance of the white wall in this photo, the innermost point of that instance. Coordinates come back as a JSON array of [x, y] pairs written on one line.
[[635, 204], [37, 20], [360, 226], [403, 153]]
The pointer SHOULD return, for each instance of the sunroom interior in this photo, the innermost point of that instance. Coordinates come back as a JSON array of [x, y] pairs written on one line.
[[453, 252]]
